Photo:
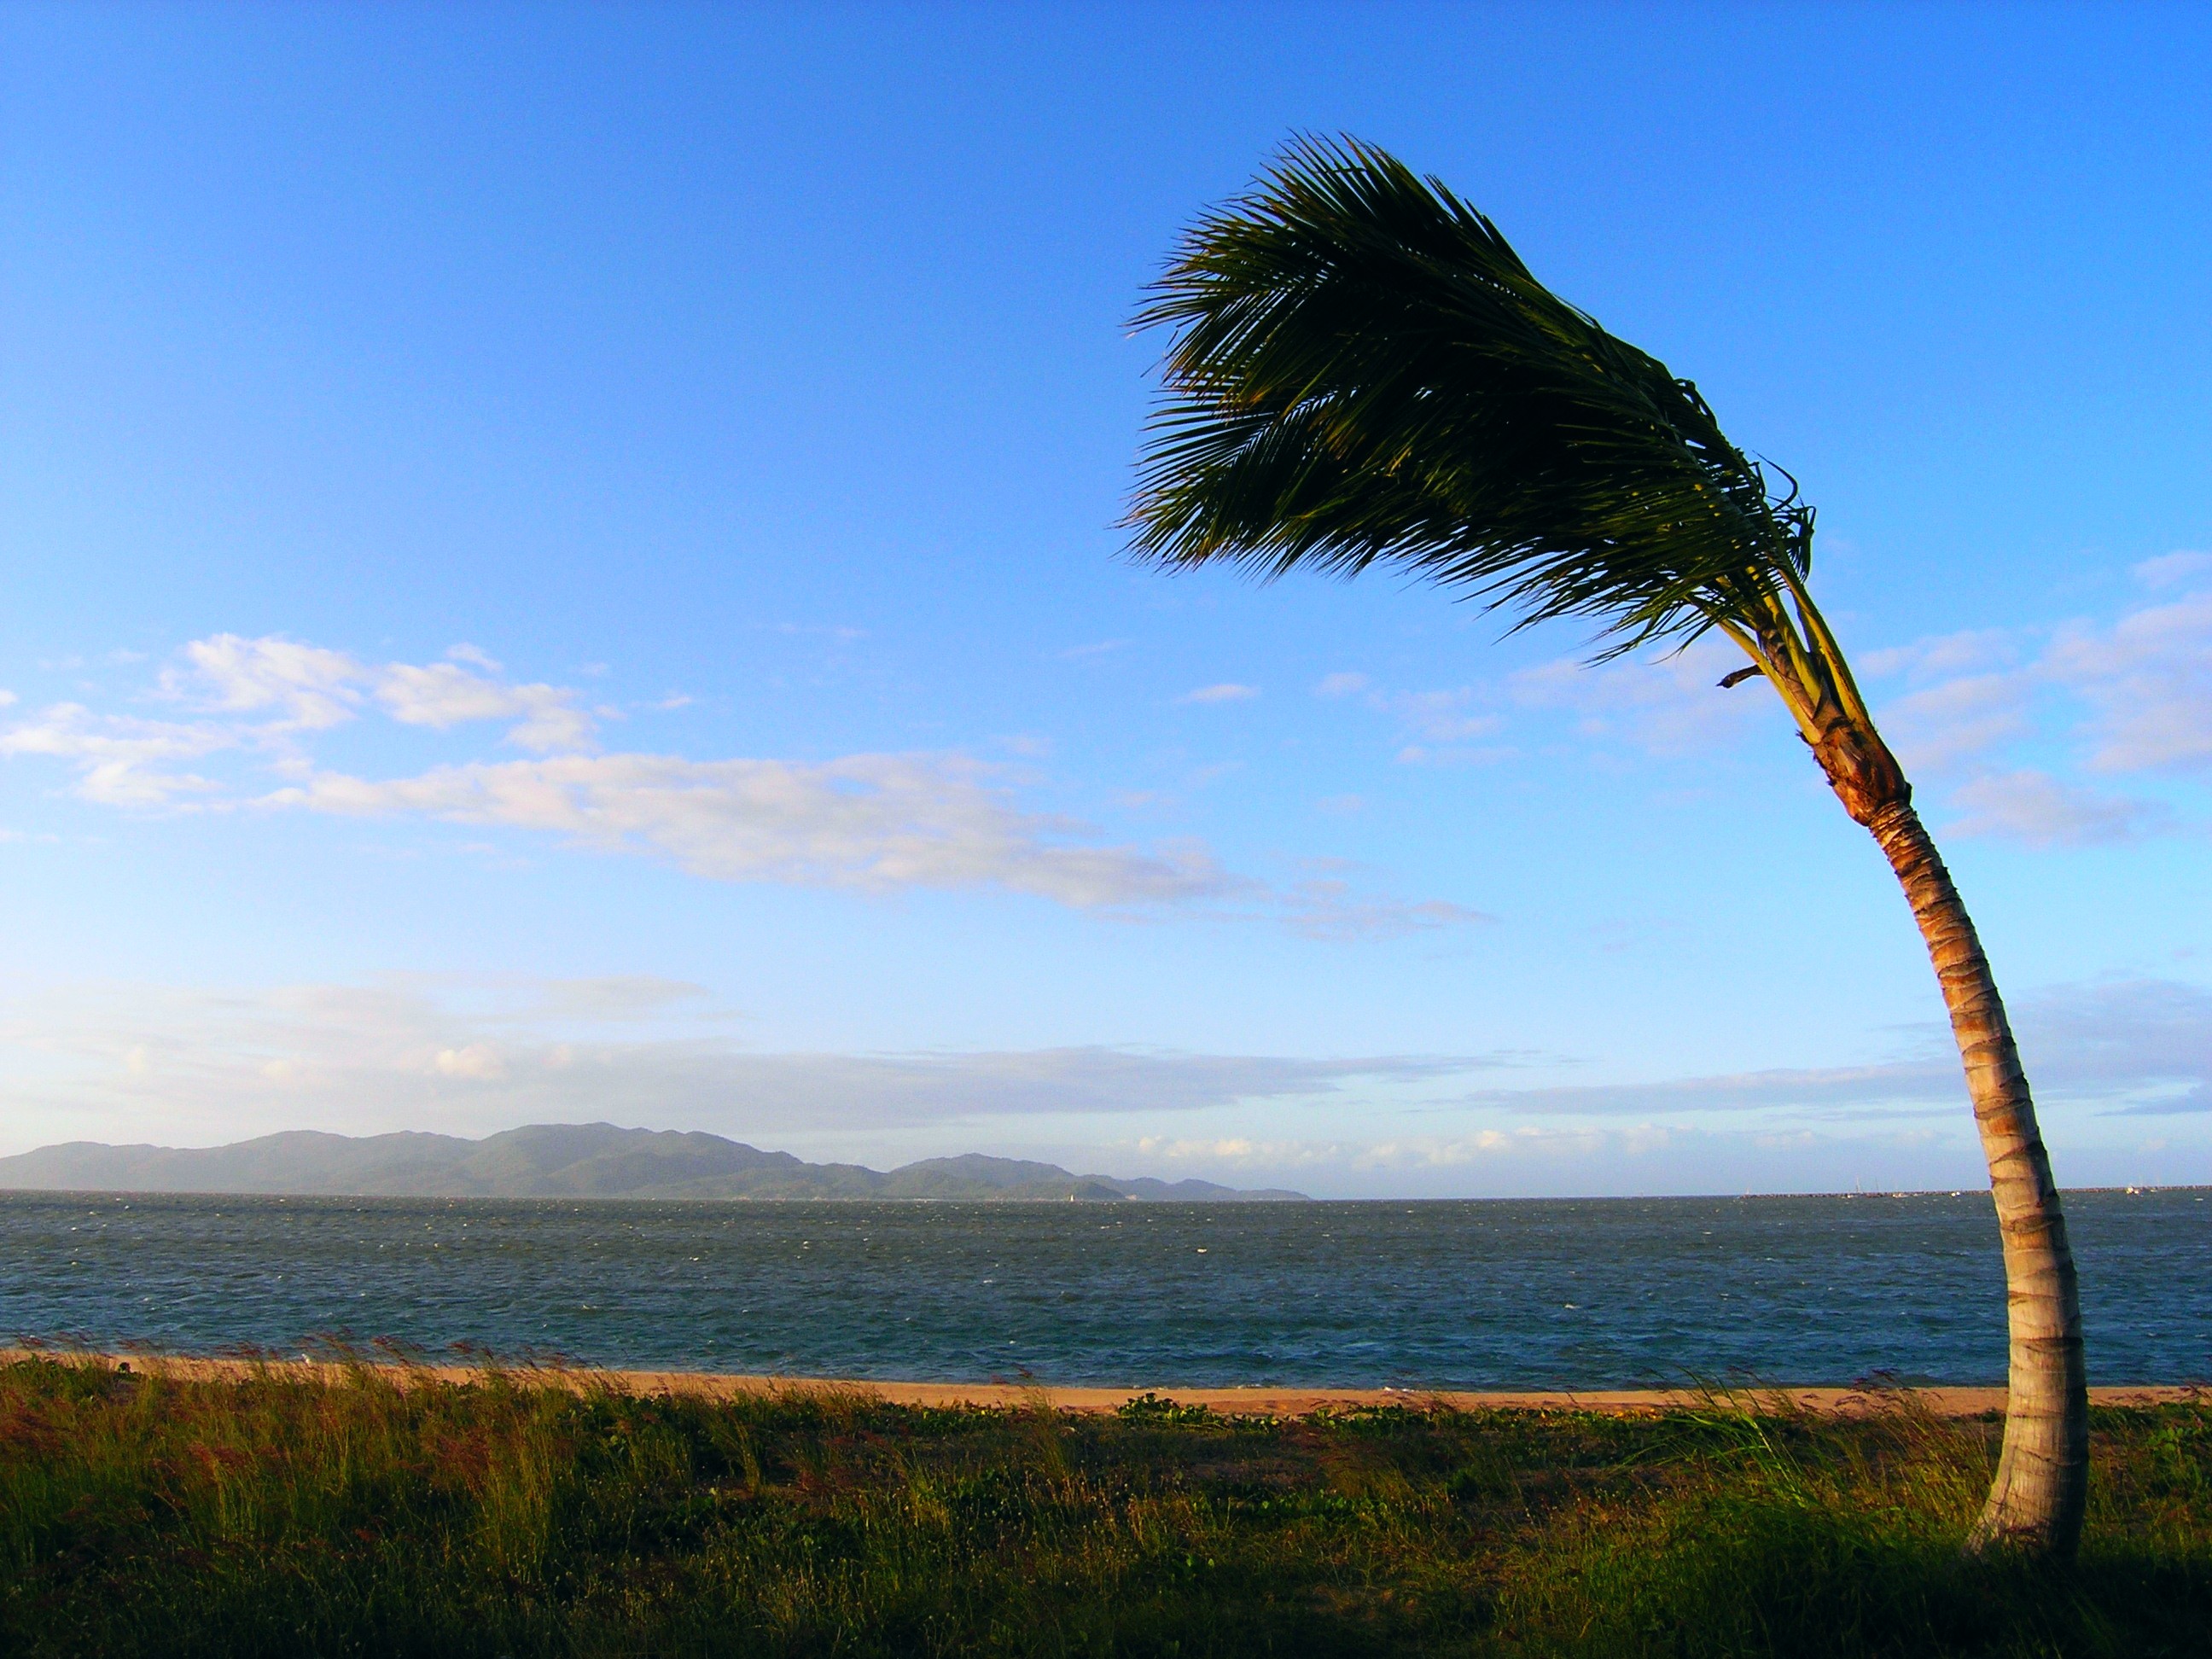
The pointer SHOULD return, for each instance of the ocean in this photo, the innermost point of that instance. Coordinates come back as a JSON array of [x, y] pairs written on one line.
[[1505, 1294]]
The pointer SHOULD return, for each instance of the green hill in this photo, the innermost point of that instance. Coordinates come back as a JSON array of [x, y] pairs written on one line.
[[563, 1160]]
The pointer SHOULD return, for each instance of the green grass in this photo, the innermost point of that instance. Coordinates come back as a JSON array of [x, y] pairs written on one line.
[[280, 1516]]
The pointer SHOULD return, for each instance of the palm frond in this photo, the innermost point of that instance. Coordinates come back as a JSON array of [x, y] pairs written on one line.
[[1363, 371]]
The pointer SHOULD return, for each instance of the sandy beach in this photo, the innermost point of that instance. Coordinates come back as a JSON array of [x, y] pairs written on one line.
[[1238, 1402]]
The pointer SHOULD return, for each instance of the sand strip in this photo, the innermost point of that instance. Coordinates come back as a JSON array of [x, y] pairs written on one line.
[[1247, 1401]]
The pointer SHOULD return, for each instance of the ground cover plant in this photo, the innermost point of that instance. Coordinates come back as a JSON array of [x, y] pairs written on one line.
[[142, 1514]]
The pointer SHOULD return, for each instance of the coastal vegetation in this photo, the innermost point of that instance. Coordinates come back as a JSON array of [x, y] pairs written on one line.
[[390, 1513], [1362, 371]]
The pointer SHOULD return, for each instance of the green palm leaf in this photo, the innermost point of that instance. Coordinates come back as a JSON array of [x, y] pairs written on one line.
[[1363, 371]]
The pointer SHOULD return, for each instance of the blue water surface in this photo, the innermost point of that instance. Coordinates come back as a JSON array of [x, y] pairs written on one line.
[[1588, 1293]]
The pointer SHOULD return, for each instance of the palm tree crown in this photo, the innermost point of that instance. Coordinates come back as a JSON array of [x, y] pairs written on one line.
[[1363, 371]]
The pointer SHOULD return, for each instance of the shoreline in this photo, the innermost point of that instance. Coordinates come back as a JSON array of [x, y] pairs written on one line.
[[1939, 1401]]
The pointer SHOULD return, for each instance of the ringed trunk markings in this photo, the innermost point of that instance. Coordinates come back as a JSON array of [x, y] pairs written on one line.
[[2041, 1486]]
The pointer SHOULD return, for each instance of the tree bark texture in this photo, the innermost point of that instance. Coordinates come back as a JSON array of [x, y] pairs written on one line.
[[2042, 1471]]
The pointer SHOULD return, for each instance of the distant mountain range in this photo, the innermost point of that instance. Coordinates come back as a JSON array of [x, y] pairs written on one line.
[[563, 1160]]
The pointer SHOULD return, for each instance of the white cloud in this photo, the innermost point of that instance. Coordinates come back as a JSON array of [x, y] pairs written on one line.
[[2138, 693], [1443, 716], [1325, 908], [1443, 724], [2145, 681], [2173, 569], [2148, 685], [1224, 693], [1640, 1159], [1669, 706], [1956, 722], [2038, 809], [1966, 653], [614, 1000], [867, 821], [2147, 1042], [480, 1061], [266, 694], [135, 1061], [119, 759], [444, 695], [311, 688], [125, 1062], [1830, 1092], [2126, 1045], [2140, 689], [1968, 696]]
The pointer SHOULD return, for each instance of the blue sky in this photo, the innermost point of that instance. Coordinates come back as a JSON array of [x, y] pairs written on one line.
[[563, 566]]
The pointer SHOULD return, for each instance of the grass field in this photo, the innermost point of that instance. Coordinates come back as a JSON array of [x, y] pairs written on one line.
[[142, 1515]]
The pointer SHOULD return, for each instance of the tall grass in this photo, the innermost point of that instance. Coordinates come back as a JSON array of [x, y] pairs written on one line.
[[381, 1515]]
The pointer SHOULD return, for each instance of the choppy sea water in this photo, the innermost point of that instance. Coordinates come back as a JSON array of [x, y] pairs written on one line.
[[1588, 1293]]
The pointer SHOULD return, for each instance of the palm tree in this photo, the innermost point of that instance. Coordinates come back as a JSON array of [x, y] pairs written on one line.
[[1361, 370]]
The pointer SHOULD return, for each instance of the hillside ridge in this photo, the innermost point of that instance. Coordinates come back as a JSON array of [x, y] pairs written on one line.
[[566, 1160]]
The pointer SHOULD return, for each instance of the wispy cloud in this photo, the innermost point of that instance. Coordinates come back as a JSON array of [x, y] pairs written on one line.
[[406, 1051], [1966, 711], [1666, 706], [2041, 810], [871, 821], [469, 1054], [1438, 727], [1328, 907], [866, 821], [2103, 1056], [2127, 1047], [2144, 1045], [2173, 569], [2148, 684], [1958, 722], [445, 695], [1669, 706], [309, 688], [1443, 720], [1584, 1161], [1827, 1092], [120, 759], [1226, 692], [2132, 697]]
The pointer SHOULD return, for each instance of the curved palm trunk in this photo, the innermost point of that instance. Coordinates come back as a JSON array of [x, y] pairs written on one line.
[[2043, 1472]]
